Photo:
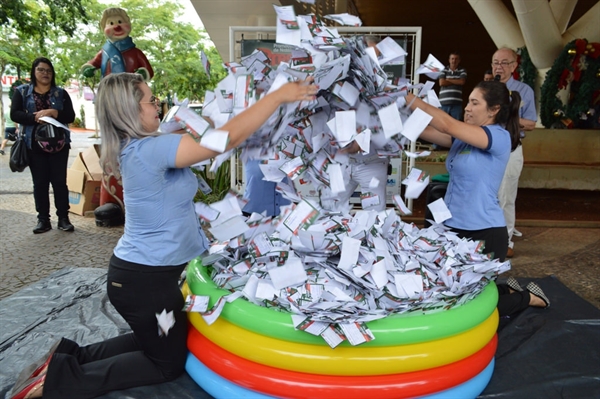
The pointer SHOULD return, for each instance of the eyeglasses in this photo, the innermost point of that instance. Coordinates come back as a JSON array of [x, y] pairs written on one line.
[[44, 70], [153, 100], [503, 64]]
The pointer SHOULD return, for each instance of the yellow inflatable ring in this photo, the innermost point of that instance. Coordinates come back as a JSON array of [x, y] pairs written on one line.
[[357, 360]]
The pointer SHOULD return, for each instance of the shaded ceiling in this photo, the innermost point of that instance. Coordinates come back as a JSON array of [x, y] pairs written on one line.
[[448, 25]]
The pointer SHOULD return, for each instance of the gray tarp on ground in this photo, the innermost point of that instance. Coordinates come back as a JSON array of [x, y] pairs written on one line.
[[553, 353], [69, 303]]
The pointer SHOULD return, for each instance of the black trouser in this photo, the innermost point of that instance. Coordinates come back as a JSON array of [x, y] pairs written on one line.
[[510, 303], [139, 358], [495, 239], [46, 169], [496, 242]]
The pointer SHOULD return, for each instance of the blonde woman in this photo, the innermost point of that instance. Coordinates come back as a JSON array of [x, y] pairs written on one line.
[[162, 234]]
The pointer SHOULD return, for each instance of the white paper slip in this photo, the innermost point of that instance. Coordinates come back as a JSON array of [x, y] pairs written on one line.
[[196, 303], [216, 140], [303, 323], [390, 120], [415, 124], [290, 274], [213, 314], [439, 210], [166, 320], [332, 338], [54, 122]]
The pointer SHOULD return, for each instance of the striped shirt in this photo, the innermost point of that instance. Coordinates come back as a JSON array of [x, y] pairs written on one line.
[[452, 94]]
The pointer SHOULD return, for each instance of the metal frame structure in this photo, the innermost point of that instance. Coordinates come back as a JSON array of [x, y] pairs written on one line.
[[411, 33]]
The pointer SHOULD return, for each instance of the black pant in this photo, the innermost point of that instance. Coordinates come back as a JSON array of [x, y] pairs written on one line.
[[495, 239], [496, 243], [511, 303], [139, 358], [46, 169]]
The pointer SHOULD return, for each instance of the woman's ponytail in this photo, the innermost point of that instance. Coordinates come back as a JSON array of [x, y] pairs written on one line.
[[497, 96], [513, 124]]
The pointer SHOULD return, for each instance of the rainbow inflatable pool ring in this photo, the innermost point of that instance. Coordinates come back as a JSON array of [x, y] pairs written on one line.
[[255, 352]]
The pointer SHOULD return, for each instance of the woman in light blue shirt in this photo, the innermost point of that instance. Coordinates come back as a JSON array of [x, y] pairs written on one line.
[[162, 233], [479, 151]]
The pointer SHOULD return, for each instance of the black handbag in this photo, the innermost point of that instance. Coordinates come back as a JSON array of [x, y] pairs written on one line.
[[50, 138], [19, 159], [12, 135]]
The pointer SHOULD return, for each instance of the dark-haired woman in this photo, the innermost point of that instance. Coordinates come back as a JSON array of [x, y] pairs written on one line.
[[479, 151], [47, 163]]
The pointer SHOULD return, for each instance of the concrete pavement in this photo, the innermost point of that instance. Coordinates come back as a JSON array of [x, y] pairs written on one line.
[[27, 257]]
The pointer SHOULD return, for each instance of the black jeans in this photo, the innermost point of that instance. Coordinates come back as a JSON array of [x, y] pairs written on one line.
[[141, 357], [496, 242], [495, 239], [46, 169]]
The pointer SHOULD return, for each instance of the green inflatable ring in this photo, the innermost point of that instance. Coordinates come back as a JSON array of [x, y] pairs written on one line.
[[396, 329]]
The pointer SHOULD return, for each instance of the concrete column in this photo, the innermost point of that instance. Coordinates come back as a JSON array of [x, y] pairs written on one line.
[[499, 23], [586, 27], [539, 29], [562, 11]]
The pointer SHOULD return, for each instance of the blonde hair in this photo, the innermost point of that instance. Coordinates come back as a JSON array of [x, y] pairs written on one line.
[[111, 12], [118, 110]]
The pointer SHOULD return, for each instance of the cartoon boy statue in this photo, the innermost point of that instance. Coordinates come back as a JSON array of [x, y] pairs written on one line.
[[119, 53]]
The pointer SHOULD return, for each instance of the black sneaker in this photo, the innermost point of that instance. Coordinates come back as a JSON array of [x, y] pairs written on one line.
[[42, 226], [65, 225], [2, 152]]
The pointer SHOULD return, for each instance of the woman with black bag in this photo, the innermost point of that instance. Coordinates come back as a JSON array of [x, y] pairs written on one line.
[[48, 147]]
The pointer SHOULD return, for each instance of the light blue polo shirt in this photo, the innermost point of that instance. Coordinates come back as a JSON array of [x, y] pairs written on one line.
[[261, 194], [527, 107], [161, 225], [475, 177]]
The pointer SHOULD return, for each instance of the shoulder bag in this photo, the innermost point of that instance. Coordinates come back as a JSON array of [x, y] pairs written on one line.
[[19, 160]]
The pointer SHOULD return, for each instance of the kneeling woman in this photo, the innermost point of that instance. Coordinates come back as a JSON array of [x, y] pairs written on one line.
[[162, 233], [479, 151]]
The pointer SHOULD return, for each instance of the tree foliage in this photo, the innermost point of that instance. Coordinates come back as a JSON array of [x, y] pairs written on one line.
[[173, 48], [35, 19]]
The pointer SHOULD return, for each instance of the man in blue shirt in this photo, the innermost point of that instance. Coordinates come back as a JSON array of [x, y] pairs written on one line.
[[504, 63]]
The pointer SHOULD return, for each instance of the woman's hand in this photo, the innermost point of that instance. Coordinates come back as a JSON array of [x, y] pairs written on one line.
[[45, 112], [351, 148], [297, 91]]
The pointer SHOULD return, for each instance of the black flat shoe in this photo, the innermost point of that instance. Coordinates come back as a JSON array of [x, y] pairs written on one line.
[[42, 226], [65, 225]]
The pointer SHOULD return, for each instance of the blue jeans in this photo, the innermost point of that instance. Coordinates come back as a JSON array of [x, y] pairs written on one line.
[[454, 110]]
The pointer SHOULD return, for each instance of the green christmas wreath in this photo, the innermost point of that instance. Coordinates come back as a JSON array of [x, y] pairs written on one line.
[[578, 65], [526, 72]]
